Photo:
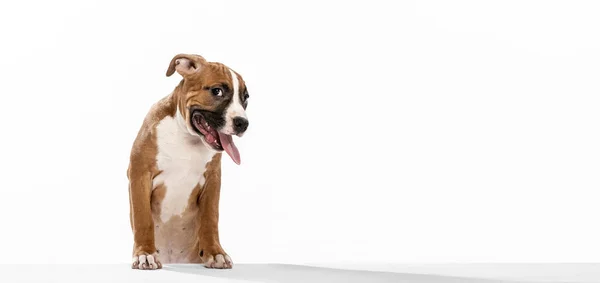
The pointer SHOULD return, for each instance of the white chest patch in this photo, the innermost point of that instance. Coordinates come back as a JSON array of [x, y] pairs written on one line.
[[182, 158]]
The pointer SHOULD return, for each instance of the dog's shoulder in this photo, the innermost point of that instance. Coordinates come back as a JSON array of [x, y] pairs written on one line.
[[144, 149], [159, 110]]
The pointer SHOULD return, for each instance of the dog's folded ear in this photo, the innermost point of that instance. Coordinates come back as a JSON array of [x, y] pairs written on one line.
[[185, 64]]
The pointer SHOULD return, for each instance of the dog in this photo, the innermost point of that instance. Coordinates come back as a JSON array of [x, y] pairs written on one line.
[[174, 170]]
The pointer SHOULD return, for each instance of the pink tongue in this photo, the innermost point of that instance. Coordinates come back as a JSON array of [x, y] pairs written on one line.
[[230, 148]]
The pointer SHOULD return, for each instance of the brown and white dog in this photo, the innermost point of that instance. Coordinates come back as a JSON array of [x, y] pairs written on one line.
[[175, 166]]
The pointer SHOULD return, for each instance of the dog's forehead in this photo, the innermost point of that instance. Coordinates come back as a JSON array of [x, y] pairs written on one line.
[[217, 72]]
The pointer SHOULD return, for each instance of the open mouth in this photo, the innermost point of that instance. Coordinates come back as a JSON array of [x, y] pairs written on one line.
[[211, 136], [215, 139]]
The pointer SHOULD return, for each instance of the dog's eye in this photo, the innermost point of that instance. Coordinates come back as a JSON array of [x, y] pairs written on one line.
[[246, 96], [217, 91]]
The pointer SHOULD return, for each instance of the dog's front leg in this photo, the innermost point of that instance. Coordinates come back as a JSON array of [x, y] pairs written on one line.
[[211, 252], [144, 250]]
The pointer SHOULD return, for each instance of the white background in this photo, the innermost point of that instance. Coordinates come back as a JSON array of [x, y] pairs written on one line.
[[380, 131]]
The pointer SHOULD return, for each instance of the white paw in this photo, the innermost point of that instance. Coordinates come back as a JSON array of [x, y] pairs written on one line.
[[219, 261], [146, 261]]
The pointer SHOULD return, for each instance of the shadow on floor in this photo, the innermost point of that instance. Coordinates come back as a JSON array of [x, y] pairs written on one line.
[[300, 273]]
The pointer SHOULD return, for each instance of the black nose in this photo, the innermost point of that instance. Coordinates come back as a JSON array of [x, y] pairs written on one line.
[[240, 124]]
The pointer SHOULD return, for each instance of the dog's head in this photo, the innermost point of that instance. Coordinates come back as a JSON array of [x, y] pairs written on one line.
[[212, 101]]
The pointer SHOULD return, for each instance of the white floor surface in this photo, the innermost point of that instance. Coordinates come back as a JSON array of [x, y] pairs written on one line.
[[425, 273]]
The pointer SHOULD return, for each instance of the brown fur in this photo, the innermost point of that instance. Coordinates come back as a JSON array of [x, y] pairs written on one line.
[[195, 231], [142, 169]]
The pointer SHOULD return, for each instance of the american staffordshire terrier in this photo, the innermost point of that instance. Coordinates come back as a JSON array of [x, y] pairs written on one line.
[[174, 171]]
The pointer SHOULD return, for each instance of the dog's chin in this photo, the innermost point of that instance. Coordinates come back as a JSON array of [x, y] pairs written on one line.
[[208, 134], [216, 148]]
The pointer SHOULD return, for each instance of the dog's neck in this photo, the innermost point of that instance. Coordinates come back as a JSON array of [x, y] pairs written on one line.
[[182, 130], [178, 97]]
